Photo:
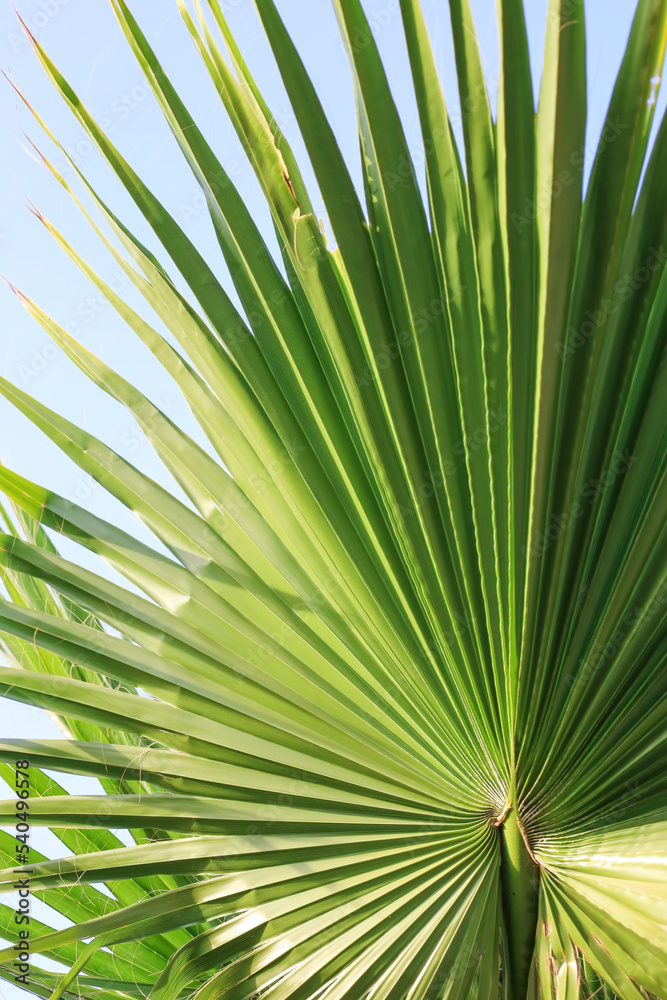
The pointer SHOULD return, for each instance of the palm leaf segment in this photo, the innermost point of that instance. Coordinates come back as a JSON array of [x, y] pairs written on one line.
[[387, 719]]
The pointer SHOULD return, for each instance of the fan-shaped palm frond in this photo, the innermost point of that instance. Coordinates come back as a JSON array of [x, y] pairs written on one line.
[[384, 708]]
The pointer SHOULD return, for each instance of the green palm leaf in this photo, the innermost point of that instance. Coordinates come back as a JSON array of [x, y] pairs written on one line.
[[383, 710]]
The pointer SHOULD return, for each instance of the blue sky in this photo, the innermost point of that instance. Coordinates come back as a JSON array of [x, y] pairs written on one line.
[[85, 41]]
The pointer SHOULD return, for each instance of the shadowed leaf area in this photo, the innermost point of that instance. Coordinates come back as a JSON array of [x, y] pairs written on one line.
[[383, 708]]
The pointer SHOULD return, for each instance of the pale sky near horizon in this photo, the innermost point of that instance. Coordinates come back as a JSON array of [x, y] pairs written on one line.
[[83, 38]]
